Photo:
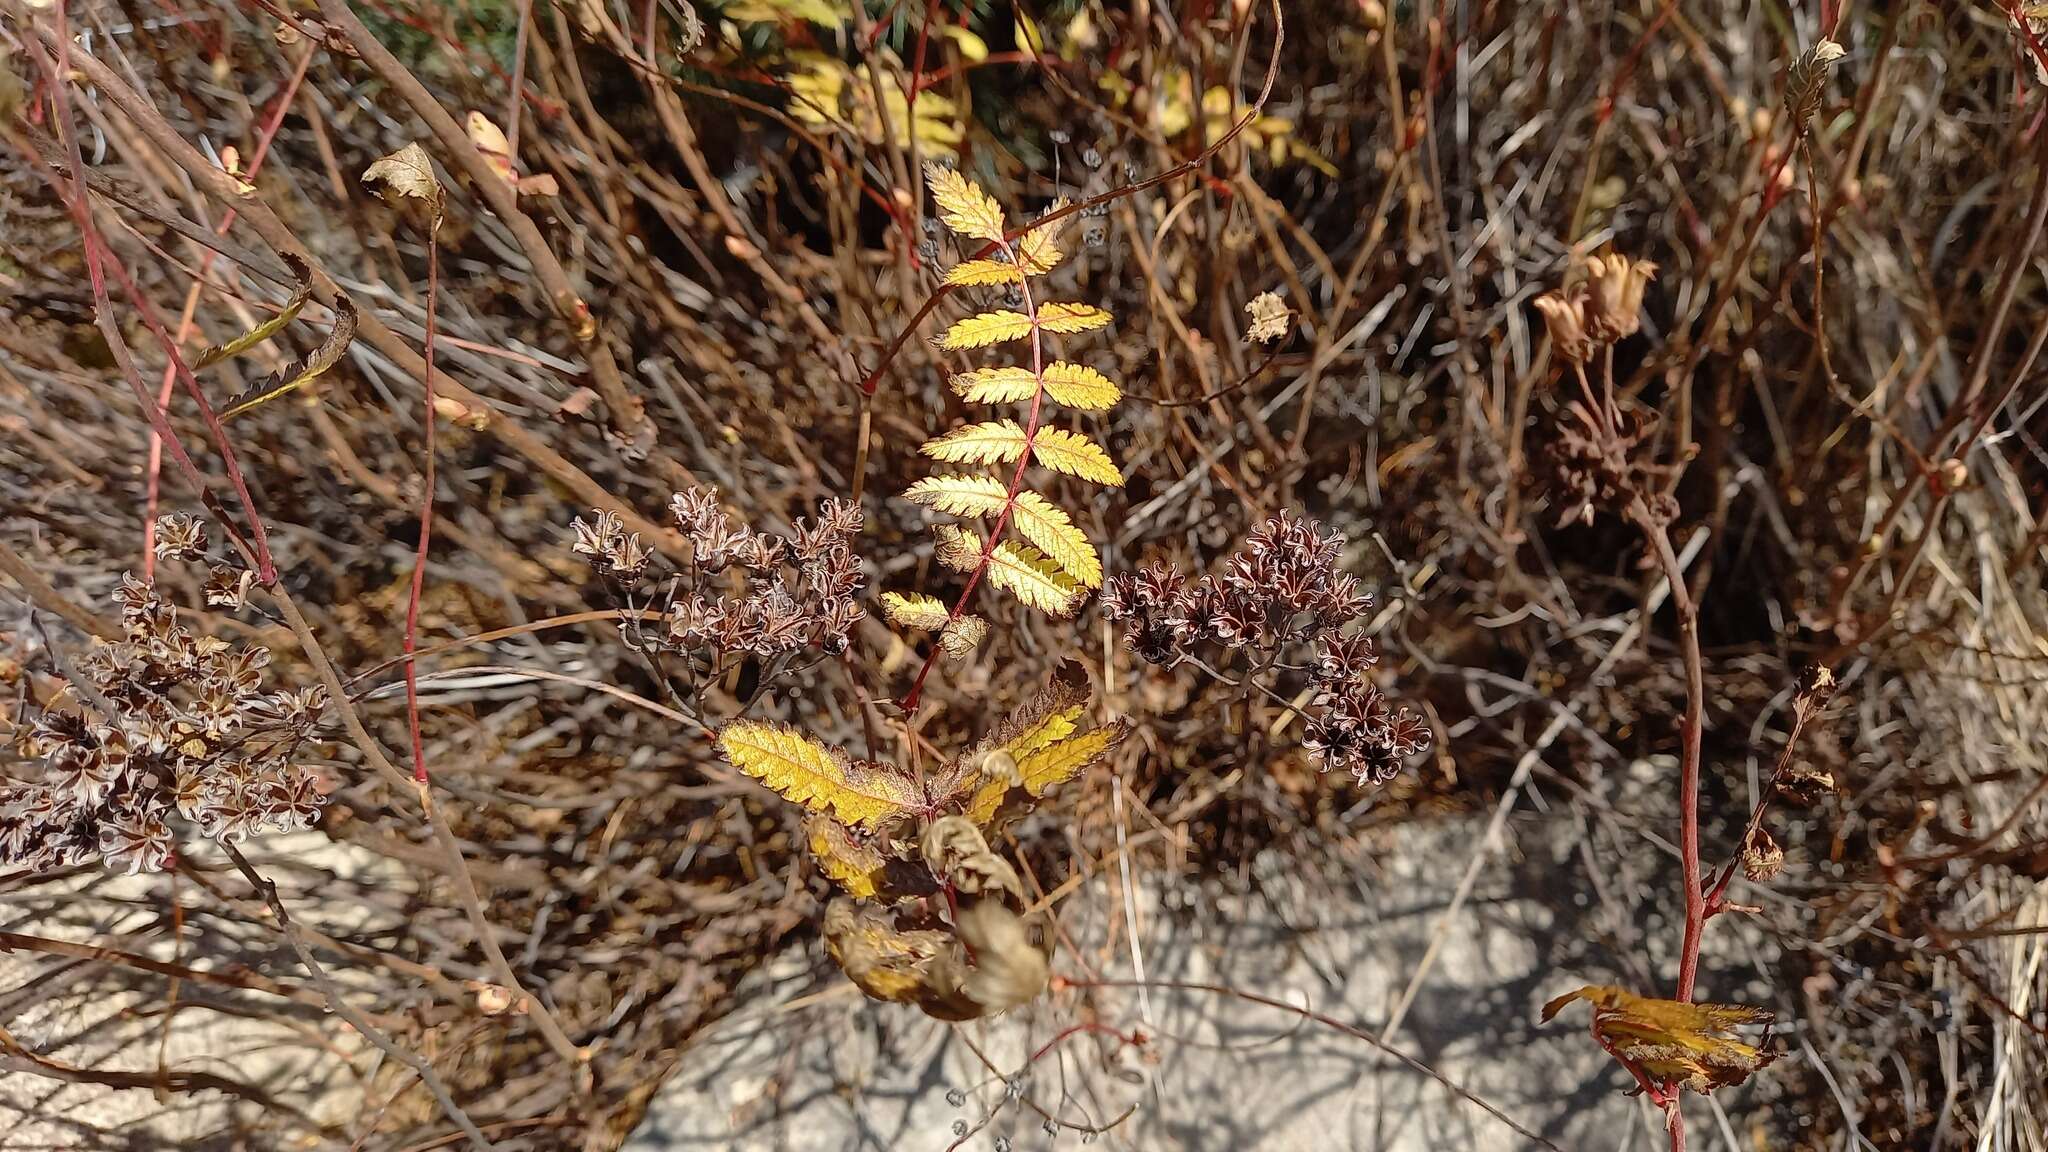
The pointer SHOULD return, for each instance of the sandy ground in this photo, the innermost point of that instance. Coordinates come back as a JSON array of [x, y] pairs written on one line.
[[802, 1067]]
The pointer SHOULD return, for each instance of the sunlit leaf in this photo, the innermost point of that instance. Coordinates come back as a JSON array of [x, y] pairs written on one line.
[[301, 372], [963, 205], [1010, 385], [822, 779], [1075, 455], [982, 273], [1028, 575], [960, 495], [1067, 318], [996, 441], [853, 863], [1062, 760], [985, 329], [1052, 532], [915, 610], [1079, 387]]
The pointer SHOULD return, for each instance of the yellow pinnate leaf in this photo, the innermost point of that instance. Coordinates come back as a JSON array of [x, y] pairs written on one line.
[[995, 441], [850, 862], [1673, 1041], [1067, 318], [1073, 454], [821, 779], [1026, 574], [985, 329], [962, 204], [1010, 385], [960, 495], [1080, 387], [981, 273], [1064, 759], [1052, 532], [915, 610]]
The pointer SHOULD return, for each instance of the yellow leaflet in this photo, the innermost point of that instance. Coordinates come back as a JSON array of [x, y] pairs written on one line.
[[1065, 759], [1049, 529], [821, 779], [1080, 387], [1024, 573], [986, 329], [963, 205], [1068, 318], [960, 495], [301, 372], [997, 385], [1673, 1040], [1046, 732], [302, 290], [996, 441], [915, 610], [981, 273], [1037, 249], [986, 801], [1075, 455]]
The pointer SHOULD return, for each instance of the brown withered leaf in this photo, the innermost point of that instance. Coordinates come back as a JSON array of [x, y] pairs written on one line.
[[884, 962], [1672, 1041], [407, 174]]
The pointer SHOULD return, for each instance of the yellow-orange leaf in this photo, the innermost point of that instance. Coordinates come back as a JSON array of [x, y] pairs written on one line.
[[1075, 455], [981, 273], [1067, 319], [1046, 732], [1062, 760], [915, 610], [1049, 528], [1009, 385], [985, 329], [960, 495], [996, 441], [1026, 574], [1080, 387], [963, 205], [825, 780], [1673, 1041]]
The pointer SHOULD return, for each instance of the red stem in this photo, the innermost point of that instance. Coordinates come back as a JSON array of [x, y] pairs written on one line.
[[419, 564]]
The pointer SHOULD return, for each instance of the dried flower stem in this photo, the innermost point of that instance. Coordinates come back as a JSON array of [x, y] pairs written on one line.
[[419, 563]]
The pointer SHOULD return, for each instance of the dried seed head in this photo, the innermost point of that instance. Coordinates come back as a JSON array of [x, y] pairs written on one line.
[[1762, 859], [1816, 685], [1614, 301], [1271, 318]]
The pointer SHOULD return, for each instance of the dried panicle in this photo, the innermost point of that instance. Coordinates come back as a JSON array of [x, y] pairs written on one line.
[[191, 731], [796, 593], [1281, 590], [1271, 318], [1806, 784], [604, 541], [1600, 464]]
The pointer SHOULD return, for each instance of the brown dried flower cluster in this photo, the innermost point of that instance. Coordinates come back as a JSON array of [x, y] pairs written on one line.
[[192, 734], [796, 592], [1280, 595]]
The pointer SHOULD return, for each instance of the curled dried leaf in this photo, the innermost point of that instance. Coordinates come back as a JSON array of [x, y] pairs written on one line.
[[961, 637], [407, 174], [1762, 858], [1271, 318], [1673, 1041]]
